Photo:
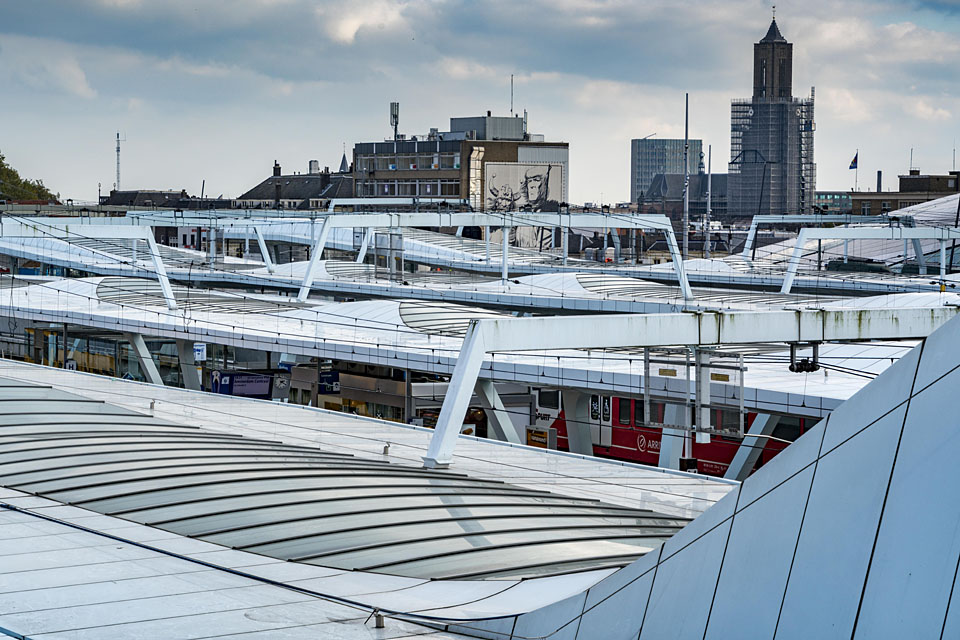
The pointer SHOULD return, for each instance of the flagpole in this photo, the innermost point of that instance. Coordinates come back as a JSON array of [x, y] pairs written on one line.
[[856, 171]]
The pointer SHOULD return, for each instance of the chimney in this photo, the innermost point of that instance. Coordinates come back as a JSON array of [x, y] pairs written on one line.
[[879, 181], [276, 169], [314, 166], [488, 113]]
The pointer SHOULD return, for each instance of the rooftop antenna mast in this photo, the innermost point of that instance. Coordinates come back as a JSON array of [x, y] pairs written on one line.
[[395, 119], [686, 177], [117, 185], [511, 95]]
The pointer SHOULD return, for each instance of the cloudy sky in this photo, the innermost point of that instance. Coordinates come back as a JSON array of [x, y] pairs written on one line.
[[218, 89]]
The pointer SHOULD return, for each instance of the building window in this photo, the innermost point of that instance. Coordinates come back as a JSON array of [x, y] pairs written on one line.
[[865, 208], [885, 206], [450, 188]]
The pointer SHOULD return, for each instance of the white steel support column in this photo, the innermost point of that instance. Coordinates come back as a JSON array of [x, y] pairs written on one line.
[[678, 265], [672, 440], [314, 259], [576, 414], [921, 259], [565, 243], [751, 238], [943, 260], [161, 271], [646, 387], [505, 253], [751, 447], [212, 245], [362, 254], [497, 417], [486, 241], [246, 242], [794, 263], [133, 243], [188, 366], [457, 400], [264, 251], [703, 396], [147, 365]]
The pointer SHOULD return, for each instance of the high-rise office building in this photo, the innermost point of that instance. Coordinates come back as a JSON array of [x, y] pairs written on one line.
[[652, 156], [771, 138]]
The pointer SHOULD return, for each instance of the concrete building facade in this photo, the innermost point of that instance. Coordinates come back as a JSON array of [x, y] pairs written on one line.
[[484, 163]]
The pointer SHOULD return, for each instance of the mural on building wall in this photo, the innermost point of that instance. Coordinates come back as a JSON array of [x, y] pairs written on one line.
[[523, 186]]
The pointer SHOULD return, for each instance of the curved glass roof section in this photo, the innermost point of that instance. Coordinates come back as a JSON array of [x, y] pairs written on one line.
[[302, 503], [140, 292]]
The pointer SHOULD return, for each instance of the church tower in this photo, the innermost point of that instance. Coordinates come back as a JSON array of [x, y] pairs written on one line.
[[773, 65]]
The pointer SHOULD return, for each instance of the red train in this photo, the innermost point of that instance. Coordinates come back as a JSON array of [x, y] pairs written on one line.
[[615, 432]]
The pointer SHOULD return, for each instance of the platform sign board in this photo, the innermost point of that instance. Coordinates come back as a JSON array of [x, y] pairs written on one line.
[[542, 437]]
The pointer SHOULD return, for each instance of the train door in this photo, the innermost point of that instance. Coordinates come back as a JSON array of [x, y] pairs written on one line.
[[601, 421]]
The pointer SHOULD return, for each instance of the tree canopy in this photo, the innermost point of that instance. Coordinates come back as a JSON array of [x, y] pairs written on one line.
[[13, 187]]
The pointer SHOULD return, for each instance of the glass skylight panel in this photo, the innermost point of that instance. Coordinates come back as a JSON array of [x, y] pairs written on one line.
[[286, 532], [391, 534], [455, 505], [303, 503], [488, 560], [409, 551]]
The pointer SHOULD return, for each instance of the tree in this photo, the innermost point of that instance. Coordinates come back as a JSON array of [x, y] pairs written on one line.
[[13, 187]]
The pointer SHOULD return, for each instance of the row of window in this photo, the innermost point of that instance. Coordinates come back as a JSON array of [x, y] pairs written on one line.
[[865, 207], [393, 162], [424, 188]]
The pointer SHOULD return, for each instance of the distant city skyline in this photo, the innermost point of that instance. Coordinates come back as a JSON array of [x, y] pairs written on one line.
[[216, 90]]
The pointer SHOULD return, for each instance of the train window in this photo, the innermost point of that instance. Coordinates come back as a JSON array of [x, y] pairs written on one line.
[[623, 411], [549, 399], [594, 407], [606, 408], [787, 429]]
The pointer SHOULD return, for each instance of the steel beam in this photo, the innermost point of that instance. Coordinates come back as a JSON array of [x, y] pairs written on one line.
[[906, 234], [161, 272], [147, 365], [751, 446], [188, 366], [457, 399], [233, 219], [364, 244], [661, 330], [497, 416], [309, 276], [264, 251], [678, 265]]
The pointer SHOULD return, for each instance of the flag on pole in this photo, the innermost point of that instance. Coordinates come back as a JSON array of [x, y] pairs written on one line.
[[853, 163]]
